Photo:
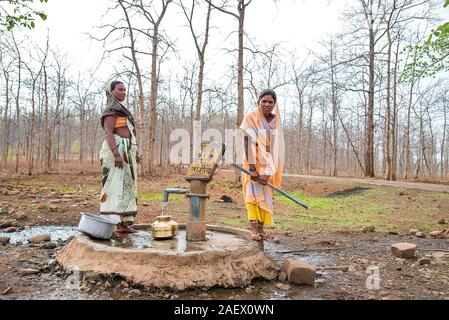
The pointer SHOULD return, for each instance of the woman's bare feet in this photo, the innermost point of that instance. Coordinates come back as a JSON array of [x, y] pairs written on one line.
[[262, 233], [254, 228]]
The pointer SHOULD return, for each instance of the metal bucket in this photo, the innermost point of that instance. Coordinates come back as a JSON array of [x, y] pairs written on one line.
[[96, 226]]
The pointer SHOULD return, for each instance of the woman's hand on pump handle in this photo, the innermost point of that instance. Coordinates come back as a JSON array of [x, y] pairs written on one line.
[[263, 180]]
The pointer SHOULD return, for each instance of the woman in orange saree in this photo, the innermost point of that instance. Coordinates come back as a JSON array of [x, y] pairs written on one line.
[[264, 158]]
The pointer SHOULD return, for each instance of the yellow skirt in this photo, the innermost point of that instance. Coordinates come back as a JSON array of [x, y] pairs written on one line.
[[259, 214]]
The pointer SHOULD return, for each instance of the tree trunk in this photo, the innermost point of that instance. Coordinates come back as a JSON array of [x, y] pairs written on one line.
[[153, 103]]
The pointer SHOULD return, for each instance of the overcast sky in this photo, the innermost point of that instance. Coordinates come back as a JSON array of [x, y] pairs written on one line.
[[299, 23]]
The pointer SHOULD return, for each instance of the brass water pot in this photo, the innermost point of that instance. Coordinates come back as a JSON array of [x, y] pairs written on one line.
[[164, 228]]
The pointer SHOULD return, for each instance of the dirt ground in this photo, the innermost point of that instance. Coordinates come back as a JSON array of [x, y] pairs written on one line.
[[328, 235]]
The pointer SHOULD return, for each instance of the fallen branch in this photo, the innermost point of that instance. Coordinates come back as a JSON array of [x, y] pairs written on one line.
[[6, 291]]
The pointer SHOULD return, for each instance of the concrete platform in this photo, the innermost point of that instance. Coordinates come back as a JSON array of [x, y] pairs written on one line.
[[227, 259]]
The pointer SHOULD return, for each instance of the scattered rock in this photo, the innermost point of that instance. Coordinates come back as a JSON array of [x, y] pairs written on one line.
[[299, 272], [174, 297], [288, 233], [413, 231], [28, 272], [135, 292], [107, 284], [276, 240], [124, 284], [283, 286], [282, 276], [436, 233], [442, 221], [351, 268], [425, 260], [3, 210], [20, 215], [10, 229], [362, 261], [419, 234], [249, 290], [4, 240], [403, 250], [41, 206], [226, 199], [6, 223], [49, 245], [166, 296], [39, 238], [368, 228]]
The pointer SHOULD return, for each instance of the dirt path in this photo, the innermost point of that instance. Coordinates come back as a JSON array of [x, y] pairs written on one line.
[[397, 184]]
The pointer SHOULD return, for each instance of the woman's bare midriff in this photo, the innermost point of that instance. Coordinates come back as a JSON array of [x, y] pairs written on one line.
[[122, 132]]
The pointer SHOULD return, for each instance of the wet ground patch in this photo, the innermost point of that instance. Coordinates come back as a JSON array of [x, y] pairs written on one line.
[[347, 192]]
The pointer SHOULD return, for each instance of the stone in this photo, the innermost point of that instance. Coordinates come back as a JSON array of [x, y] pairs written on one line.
[[20, 215], [282, 276], [135, 292], [403, 250], [419, 234], [249, 290], [174, 297], [28, 272], [49, 245], [283, 286], [362, 261], [166, 296], [226, 199], [288, 233], [41, 206], [299, 272], [425, 260], [107, 284], [10, 229], [124, 284], [5, 223], [442, 221], [368, 228], [39, 238], [413, 231], [436, 233], [4, 240], [276, 240]]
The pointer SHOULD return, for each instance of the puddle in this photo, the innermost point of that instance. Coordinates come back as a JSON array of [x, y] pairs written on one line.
[[144, 240], [57, 233]]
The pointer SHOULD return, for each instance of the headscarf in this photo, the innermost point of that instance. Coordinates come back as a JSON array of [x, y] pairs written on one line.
[[115, 108], [271, 162]]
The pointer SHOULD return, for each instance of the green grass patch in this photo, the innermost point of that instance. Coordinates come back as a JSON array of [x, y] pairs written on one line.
[[233, 222], [159, 197], [340, 212]]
